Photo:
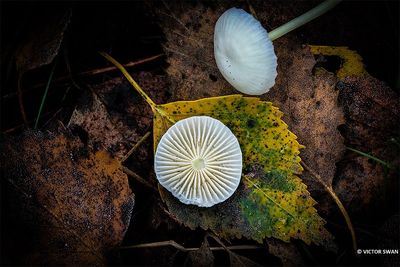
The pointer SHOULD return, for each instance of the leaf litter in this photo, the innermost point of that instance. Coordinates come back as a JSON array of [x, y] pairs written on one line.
[[183, 87], [75, 201], [271, 201]]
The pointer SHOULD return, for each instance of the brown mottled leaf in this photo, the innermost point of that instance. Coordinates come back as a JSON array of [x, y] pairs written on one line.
[[189, 33], [73, 203], [113, 116], [372, 120], [310, 102]]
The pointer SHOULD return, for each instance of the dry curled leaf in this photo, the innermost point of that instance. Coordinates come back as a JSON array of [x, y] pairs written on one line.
[[75, 202]]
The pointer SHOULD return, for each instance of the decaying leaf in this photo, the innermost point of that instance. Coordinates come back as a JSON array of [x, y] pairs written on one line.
[[201, 257], [287, 252], [74, 203], [351, 61], [43, 45], [114, 117], [189, 32], [237, 260], [372, 115], [310, 103]]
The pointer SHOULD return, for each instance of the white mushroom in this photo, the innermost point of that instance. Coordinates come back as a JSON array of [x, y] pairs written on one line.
[[199, 161], [244, 53], [243, 49]]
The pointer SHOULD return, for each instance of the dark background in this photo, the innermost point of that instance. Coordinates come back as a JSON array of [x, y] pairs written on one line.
[[129, 31]]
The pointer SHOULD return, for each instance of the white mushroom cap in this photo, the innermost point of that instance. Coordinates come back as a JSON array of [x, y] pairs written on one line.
[[199, 161], [244, 53]]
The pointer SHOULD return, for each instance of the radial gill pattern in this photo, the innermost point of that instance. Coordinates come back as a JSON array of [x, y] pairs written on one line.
[[199, 161]]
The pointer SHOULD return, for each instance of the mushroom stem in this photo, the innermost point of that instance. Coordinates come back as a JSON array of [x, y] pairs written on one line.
[[303, 19]]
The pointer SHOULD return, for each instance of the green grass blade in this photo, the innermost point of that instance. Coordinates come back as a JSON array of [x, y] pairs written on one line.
[[45, 94]]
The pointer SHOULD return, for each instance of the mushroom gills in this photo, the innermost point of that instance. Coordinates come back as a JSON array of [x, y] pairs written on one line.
[[199, 161]]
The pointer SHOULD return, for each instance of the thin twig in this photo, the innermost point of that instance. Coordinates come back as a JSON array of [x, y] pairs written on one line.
[[227, 249], [171, 216], [138, 178], [113, 68], [154, 107], [89, 73], [133, 149], [338, 202], [182, 248]]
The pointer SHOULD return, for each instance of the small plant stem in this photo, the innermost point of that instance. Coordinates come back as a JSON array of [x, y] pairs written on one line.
[[133, 149], [303, 19], [338, 203], [182, 248], [130, 79], [45, 94], [156, 108], [138, 178], [387, 165]]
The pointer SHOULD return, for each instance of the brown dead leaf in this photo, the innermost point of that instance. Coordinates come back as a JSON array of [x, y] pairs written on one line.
[[43, 44], [237, 260], [287, 252], [311, 110], [73, 203], [201, 257], [189, 33], [372, 119], [114, 116], [190, 52]]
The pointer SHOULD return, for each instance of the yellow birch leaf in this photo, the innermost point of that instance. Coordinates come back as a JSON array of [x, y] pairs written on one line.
[[271, 200], [352, 64]]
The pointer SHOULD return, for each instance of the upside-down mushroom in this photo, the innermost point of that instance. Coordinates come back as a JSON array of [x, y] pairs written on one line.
[[199, 161]]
